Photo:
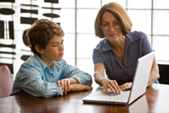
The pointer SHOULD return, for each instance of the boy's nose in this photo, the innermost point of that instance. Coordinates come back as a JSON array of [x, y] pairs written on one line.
[[61, 47]]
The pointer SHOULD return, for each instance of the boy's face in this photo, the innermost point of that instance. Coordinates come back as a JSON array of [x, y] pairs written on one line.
[[54, 50]]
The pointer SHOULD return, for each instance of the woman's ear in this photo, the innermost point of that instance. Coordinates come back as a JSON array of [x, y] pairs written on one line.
[[38, 49]]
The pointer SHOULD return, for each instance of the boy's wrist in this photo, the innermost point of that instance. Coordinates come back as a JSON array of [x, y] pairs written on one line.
[[71, 88], [79, 87], [72, 80]]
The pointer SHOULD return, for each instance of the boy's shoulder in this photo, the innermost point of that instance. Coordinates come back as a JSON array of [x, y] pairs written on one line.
[[32, 60]]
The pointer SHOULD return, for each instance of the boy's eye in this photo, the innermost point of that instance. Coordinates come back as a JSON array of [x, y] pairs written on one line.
[[55, 45]]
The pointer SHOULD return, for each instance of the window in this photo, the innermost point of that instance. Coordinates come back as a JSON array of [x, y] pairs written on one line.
[[77, 20]]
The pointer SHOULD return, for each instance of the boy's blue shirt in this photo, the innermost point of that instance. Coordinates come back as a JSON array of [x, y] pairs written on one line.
[[37, 79]]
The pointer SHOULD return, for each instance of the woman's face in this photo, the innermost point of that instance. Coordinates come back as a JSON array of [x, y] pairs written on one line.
[[111, 27]]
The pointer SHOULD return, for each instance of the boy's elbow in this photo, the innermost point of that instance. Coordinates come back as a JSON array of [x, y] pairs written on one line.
[[47, 95], [89, 81]]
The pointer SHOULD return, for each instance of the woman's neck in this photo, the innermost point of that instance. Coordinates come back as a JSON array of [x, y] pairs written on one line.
[[119, 45]]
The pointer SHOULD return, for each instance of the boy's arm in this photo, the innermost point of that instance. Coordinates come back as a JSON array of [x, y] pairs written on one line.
[[80, 76], [32, 83], [79, 87], [71, 84]]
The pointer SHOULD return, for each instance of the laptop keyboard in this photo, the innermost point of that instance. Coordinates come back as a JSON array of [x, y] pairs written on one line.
[[123, 96], [101, 94]]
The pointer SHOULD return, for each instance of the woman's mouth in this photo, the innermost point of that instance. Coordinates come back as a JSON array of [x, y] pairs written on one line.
[[112, 35]]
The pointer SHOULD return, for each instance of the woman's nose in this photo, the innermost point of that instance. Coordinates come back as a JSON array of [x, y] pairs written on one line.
[[111, 28]]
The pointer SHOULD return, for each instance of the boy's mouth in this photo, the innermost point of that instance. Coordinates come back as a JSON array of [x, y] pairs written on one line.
[[61, 54]]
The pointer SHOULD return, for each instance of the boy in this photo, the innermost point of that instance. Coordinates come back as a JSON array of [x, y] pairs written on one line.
[[46, 74]]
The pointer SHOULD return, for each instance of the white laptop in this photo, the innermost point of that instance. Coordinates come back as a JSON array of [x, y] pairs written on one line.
[[140, 81]]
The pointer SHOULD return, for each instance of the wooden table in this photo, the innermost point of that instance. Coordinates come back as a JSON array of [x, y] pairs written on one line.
[[155, 100]]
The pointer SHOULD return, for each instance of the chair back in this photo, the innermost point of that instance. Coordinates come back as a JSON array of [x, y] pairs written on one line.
[[6, 81]]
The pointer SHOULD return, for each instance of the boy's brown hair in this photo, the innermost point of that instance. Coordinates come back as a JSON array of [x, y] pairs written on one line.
[[41, 32]]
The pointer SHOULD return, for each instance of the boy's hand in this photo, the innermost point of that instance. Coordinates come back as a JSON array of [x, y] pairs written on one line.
[[65, 84], [80, 87]]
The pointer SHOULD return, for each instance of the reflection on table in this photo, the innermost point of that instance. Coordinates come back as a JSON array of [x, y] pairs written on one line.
[[154, 100]]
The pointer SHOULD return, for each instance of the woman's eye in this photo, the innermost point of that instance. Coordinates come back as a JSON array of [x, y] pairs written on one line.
[[105, 25], [116, 23]]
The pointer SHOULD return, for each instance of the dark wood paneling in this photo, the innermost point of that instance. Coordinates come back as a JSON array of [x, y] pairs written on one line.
[[1, 29], [28, 20], [164, 74], [7, 1], [11, 30], [52, 1]]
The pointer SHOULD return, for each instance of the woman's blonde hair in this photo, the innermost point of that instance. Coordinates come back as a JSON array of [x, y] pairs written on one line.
[[118, 11]]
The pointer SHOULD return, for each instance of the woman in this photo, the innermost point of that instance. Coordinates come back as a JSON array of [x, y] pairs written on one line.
[[118, 52]]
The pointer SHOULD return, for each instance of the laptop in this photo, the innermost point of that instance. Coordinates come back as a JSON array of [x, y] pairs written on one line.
[[138, 88]]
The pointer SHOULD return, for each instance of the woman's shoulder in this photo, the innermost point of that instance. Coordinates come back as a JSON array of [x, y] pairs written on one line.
[[136, 35], [101, 43]]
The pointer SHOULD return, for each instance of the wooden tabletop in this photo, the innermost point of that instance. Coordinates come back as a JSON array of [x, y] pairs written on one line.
[[155, 100]]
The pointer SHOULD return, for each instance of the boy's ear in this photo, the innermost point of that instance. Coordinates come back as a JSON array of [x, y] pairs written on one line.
[[38, 49]]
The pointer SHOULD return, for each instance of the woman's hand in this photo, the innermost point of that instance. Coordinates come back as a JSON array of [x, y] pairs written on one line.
[[65, 84], [126, 86], [110, 84]]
